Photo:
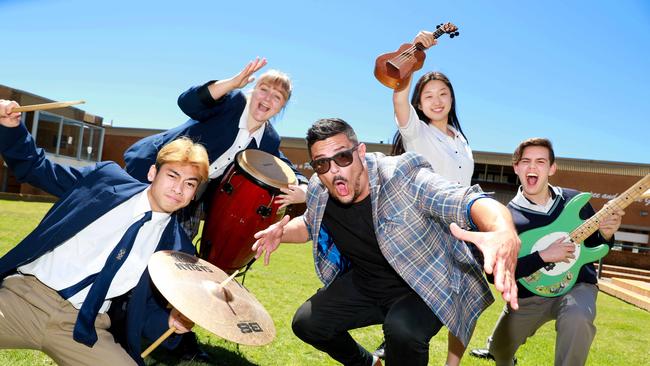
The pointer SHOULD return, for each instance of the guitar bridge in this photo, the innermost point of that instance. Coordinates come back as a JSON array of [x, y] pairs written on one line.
[[549, 266], [392, 70]]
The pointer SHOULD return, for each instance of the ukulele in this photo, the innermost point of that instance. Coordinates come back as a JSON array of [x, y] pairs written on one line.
[[556, 279], [393, 69]]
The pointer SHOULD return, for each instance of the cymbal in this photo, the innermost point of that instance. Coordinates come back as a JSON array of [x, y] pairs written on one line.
[[193, 287]]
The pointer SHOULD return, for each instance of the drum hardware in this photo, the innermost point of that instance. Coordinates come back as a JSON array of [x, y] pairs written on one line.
[[227, 188], [210, 298], [242, 274], [266, 211]]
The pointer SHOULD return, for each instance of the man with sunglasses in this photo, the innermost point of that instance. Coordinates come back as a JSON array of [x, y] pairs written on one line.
[[388, 246]]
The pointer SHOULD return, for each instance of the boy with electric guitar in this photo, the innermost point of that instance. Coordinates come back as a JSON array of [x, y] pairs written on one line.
[[549, 288]]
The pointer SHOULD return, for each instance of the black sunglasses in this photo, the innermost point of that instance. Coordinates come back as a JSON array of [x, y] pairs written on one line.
[[342, 159]]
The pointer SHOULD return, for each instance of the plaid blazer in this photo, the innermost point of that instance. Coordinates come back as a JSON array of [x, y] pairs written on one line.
[[412, 208]]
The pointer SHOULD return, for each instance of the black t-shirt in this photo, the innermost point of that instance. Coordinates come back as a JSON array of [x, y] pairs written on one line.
[[353, 232]]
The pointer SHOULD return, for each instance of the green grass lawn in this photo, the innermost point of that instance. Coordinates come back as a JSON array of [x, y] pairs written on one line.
[[290, 279]]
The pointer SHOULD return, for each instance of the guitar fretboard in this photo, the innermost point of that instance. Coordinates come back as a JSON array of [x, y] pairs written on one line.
[[438, 32], [619, 203]]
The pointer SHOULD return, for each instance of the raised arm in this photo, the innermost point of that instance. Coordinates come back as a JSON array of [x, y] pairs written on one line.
[[28, 162], [401, 98], [219, 88], [401, 105], [202, 102], [9, 118]]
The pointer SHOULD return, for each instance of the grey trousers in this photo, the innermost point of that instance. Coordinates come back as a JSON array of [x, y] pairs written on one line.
[[34, 316], [574, 314]]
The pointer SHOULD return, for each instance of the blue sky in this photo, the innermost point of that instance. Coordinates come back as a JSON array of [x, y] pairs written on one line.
[[577, 72]]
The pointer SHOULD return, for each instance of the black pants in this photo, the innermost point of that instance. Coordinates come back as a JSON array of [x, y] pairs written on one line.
[[323, 321]]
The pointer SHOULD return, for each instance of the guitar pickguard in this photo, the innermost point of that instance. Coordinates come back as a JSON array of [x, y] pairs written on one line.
[[559, 267]]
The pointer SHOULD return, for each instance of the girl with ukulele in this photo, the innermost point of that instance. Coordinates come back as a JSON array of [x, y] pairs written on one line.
[[429, 126]]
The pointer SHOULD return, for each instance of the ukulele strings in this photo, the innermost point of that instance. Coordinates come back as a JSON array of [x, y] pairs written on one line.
[[408, 53], [404, 56]]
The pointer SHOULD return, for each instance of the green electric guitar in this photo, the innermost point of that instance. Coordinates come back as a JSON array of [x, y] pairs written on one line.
[[557, 279]]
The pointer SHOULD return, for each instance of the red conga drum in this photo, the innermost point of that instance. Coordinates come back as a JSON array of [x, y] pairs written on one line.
[[242, 206]]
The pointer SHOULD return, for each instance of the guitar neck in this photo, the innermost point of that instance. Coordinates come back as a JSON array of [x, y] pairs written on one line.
[[436, 34], [619, 203]]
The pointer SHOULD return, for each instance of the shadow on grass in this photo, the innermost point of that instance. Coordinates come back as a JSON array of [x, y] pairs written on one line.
[[219, 357]]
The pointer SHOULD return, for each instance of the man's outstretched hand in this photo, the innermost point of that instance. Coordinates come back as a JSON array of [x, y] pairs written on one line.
[[500, 250]]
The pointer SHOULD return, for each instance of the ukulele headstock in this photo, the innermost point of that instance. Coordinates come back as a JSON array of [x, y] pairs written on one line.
[[448, 28]]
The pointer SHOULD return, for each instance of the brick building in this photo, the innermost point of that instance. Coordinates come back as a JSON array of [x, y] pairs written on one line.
[[68, 135], [75, 137]]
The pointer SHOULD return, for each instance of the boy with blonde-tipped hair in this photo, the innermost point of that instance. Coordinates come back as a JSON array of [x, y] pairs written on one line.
[[89, 254]]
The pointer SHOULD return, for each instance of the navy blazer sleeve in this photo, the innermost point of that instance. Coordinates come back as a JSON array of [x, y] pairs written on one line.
[[213, 124], [30, 165], [156, 320], [198, 104]]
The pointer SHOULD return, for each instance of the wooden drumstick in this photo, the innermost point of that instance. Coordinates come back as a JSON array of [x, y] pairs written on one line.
[[224, 283], [227, 294], [158, 342], [44, 106]]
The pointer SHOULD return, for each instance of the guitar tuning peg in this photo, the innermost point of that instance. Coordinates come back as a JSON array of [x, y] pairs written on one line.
[[451, 35], [438, 26], [456, 34]]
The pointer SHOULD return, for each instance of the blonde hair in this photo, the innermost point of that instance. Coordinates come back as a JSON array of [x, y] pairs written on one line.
[[278, 80], [184, 150]]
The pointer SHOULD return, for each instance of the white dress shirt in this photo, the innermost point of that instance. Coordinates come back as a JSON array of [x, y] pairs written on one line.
[[244, 138], [523, 202], [449, 156], [86, 252]]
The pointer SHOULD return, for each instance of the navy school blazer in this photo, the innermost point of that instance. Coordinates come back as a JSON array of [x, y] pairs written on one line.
[[85, 195], [213, 123]]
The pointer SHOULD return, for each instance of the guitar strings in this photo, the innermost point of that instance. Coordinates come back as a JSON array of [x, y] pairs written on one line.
[[408, 53], [591, 224]]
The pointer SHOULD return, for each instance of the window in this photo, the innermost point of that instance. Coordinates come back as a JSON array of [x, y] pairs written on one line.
[[67, 137], [69, 145], [48, 132], [91, 143], [503, 174]]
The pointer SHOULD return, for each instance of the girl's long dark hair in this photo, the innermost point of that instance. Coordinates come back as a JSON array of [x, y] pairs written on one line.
[[398, 145]]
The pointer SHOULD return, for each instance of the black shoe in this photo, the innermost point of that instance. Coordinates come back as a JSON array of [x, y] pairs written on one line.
[[189, 350], [380, 351], [485, 354]]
